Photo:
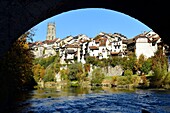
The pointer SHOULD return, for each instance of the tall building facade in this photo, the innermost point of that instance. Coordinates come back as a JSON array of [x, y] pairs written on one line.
[[51, 31]]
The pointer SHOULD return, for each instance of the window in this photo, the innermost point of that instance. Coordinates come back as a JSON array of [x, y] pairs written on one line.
[[119, 39], [118, 47], [153, 44], [52, 30], [103, 50]]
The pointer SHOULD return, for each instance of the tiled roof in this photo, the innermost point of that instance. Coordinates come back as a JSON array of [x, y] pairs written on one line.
[[97, 40], [103, 41], [114, 53], [93, 47], [38, 43], [72, 46], [152, 38], [50, 41], [124, 41], [133, 40], [97, 37], [119, 34]]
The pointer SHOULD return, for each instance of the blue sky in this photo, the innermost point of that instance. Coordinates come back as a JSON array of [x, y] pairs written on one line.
[[91, 21]]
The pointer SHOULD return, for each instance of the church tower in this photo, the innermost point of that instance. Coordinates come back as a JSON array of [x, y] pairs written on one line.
[[51, 31]]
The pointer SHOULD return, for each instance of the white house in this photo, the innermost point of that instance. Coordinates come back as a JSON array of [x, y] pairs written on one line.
[[146, 44], [83, 50], [93, 51], [103, 45], [62, 54], [93, 48]]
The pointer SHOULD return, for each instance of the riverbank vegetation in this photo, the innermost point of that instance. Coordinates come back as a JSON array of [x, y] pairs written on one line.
[[46, 68], [20, 71], [16, 70], [141, 72]]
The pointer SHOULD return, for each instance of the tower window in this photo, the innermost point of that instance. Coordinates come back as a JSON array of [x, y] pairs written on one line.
[[52, 30]]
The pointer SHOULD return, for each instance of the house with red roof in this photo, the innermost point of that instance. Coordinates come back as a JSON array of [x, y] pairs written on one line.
[[145, 43]]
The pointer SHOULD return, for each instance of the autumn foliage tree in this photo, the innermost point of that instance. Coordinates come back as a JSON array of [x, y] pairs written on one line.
[[38, 72], [139, 62], [46, 68], [17, 63], [159, 67], [16, 69]]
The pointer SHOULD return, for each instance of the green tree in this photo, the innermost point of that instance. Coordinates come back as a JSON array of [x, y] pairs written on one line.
[[46, 68], [139, 63], [75, 72], [57, 63], [146, 66], [128, 72], [91, 60], [113, 61], [50, 73], [166, 83], [97, 76], [129, 63], [159, 68], [64, 74]]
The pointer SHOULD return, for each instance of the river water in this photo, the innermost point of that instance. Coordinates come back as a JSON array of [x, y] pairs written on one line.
[[92, 100]]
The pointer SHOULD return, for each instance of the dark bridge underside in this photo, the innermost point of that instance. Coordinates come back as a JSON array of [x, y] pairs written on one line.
[[18, 16]]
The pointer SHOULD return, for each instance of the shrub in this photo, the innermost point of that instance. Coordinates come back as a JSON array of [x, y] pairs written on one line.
[[64, 74], [97, 76], [146, 66], [114, 80], [126, 80], [123, 80], [128, 72]]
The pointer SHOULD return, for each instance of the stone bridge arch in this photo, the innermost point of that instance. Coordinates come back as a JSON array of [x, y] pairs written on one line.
[[18, 16]]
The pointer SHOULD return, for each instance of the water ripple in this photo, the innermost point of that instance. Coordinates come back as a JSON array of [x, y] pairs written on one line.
[[99, 103]]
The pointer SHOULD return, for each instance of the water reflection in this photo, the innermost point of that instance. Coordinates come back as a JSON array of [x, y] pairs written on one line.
[[94, 99]]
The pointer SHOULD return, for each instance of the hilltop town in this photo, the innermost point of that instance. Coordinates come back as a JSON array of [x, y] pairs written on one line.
[[104, 45], [110, 59]]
